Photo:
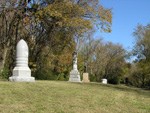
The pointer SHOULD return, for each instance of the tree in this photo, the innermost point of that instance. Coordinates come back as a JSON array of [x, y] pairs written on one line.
[[140, 74], [104, 60], [142, 42], [52, 25], [10, 19], [110, 60]]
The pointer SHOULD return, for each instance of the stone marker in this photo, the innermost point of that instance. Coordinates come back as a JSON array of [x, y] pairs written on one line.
[[74, 74], [85, 77], [104, 81], [21, 72]]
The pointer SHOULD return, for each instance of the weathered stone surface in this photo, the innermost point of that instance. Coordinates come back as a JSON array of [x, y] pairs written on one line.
[[21, 72], [85, 77], [74, 74]]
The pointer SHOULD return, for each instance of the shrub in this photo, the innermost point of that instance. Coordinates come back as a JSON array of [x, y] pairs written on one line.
[[45, 74], [140, 79], [114, 79], [61, 77], [92, 78], [4, 74]]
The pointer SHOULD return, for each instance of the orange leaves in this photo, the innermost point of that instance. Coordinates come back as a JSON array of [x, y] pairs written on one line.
[[26, 20]]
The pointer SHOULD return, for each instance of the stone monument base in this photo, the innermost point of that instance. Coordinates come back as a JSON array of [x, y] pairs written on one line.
[[85, 77], [74, 76], [21, 79], [21, 74]]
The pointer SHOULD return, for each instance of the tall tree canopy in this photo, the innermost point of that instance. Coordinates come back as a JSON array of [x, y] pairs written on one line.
[[142, 39], [140, 71], [104, 60], [49, 26]]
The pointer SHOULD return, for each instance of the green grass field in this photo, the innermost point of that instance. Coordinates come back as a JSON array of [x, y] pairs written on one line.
[[66, 97]]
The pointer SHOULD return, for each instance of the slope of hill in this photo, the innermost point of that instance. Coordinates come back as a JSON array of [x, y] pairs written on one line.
[[66, 97]]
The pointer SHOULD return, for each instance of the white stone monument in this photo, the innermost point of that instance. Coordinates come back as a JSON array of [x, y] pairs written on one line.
[[74, 74], [104, 81], [21, 72]]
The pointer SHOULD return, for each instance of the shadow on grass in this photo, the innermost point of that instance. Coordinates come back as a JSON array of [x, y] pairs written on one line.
[[139, 91], [124, 88]]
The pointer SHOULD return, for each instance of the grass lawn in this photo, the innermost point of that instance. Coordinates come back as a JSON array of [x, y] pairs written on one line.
[[66, 97]]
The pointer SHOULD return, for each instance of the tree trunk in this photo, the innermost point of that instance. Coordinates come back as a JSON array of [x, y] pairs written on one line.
[[4, 58]]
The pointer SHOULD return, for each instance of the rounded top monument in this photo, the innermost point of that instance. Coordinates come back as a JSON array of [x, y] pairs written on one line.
[[22, 49], [22, 72]]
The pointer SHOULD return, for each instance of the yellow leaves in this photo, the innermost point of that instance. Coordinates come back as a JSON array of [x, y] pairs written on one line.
[[77, 22], [80, 18], [48, 12], [52, 11], [105, 14], [26, 20], [59, 24], [64, 61], [65, 14], [105, 19]]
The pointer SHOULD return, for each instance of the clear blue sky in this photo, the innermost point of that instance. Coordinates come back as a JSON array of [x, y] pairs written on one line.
[[127, 14]]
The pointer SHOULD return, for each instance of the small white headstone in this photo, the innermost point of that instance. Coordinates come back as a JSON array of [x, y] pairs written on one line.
[[21, 72], [104, 81]]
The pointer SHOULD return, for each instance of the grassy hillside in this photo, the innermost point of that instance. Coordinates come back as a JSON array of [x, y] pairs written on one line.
[[65, 97]]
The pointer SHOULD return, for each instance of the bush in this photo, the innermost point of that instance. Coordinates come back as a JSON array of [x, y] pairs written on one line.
[[61, 77], [92, 78], [4, 74], [45, 74], [114, 79], [140, 79], [148, 84]]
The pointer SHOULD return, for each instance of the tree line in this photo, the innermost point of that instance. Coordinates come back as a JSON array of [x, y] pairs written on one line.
[[51, 28], [54, 29]]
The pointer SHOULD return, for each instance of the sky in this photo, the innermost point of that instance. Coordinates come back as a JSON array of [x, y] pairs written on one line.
[[127, 14]]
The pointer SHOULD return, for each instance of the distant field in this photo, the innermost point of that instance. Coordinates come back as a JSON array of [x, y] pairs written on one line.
[[66, 97]]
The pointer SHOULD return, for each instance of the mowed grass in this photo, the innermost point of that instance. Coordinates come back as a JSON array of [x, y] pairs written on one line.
[[66, 97]]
